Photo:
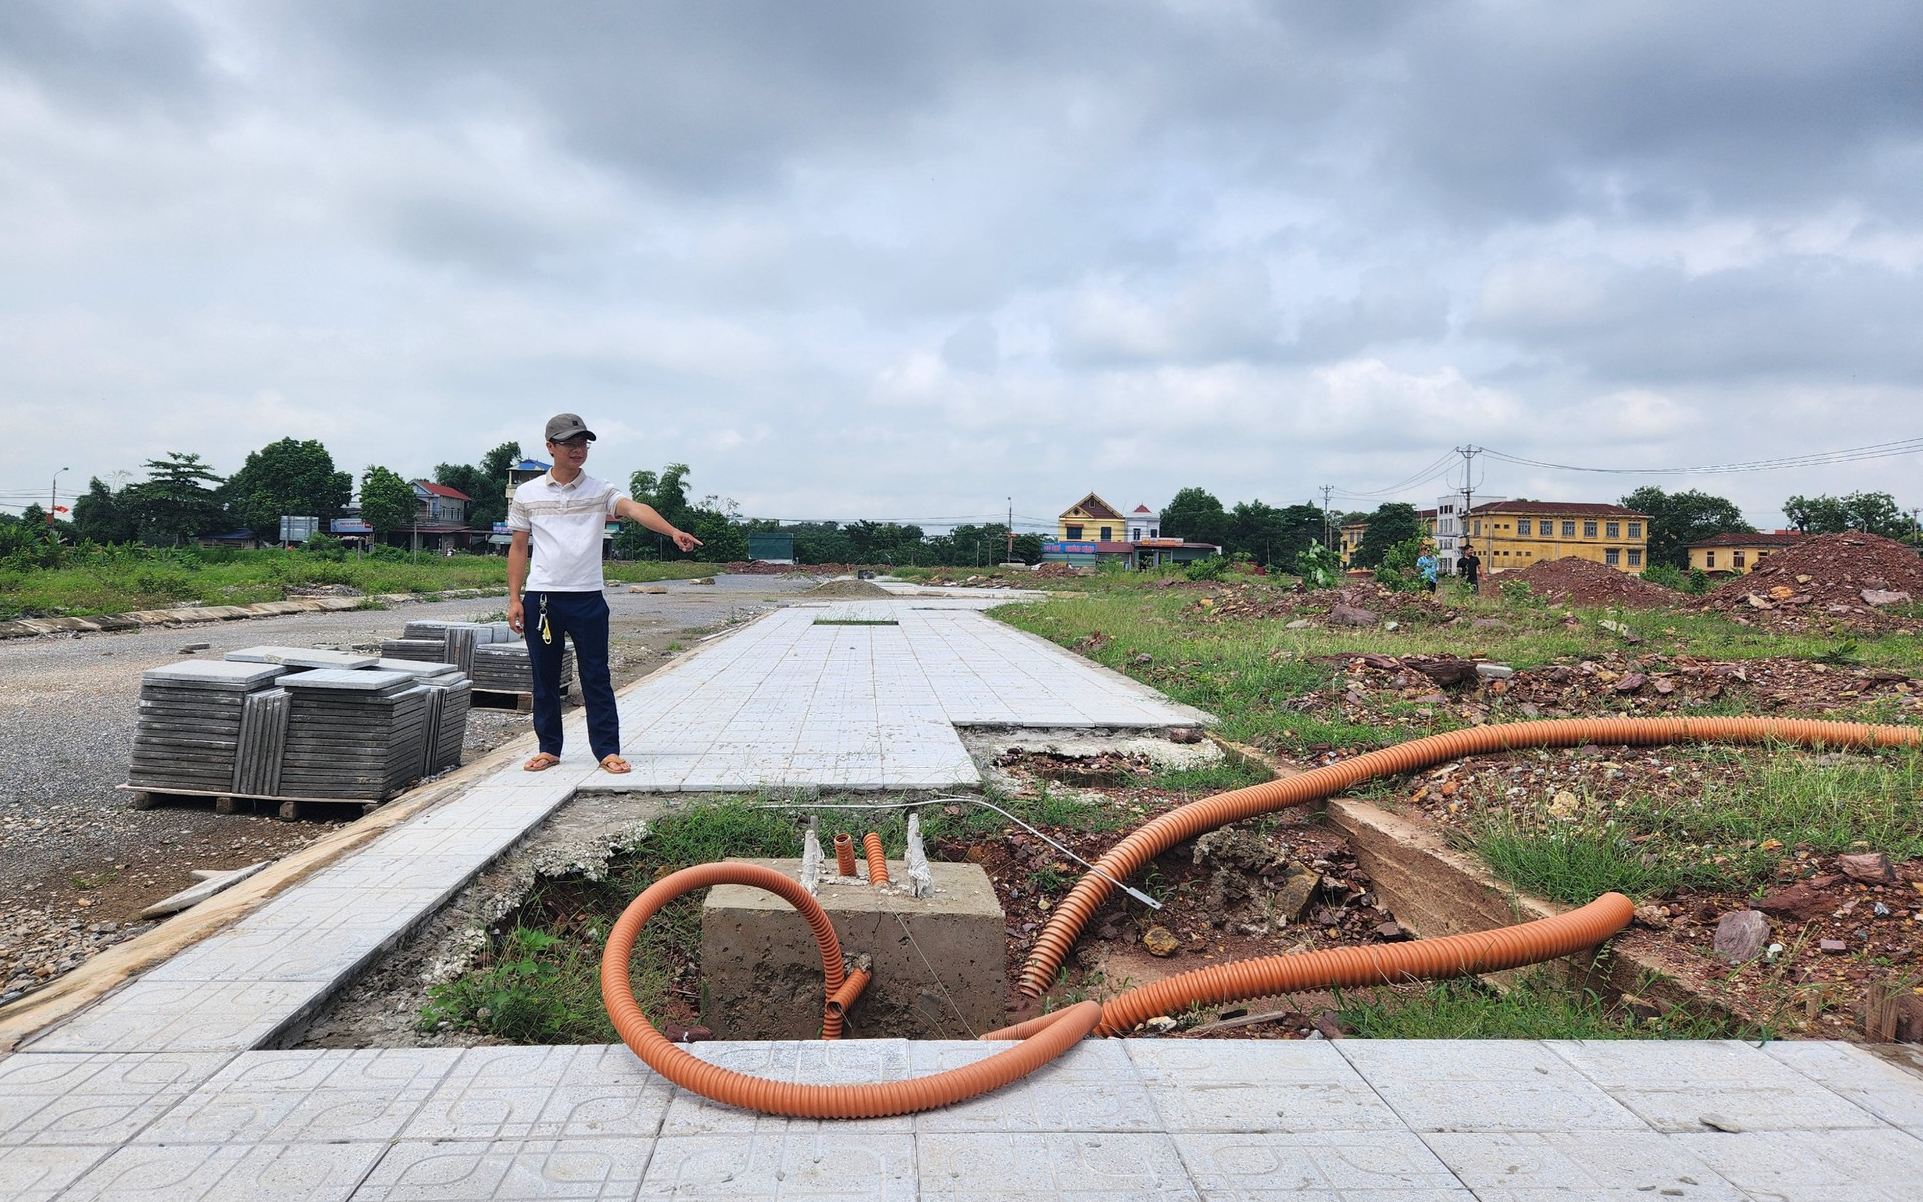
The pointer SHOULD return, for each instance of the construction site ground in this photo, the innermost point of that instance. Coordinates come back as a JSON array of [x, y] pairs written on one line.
[[182, 1082], [78, 863]]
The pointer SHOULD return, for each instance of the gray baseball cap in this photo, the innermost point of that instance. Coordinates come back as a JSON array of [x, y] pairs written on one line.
[[563, 426]]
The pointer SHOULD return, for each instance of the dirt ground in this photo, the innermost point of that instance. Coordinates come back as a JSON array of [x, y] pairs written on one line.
[[77, 863]]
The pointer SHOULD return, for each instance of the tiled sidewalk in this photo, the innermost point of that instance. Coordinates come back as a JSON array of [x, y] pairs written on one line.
[[157, 1091], [1112, 1120]]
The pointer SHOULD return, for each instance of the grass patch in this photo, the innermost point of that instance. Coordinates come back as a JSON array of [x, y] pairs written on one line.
[[1533, 1007], [109, 580], [1755, 806]]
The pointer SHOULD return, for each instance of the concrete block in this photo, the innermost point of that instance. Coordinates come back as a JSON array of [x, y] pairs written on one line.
[[939, 969]]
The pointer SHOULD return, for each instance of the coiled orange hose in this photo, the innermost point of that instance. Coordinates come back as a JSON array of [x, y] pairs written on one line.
[[844, 854], [1126, 858], [877, 859], [1061, 1031], [840, 1000]]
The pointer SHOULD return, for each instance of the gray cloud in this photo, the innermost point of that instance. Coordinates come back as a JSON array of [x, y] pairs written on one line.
[[866, 257]]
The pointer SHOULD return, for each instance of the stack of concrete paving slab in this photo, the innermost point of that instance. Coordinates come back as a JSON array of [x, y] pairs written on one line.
[[353, 734], [493, 657], [449, 697], [504, 668], [192, 719]]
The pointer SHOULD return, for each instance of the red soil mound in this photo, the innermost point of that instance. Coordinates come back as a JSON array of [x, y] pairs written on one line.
[[1573, 581]]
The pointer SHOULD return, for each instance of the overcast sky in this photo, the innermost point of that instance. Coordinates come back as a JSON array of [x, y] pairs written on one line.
[[909, 260]]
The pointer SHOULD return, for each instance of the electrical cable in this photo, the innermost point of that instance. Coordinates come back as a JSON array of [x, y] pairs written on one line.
[[1881, 450]]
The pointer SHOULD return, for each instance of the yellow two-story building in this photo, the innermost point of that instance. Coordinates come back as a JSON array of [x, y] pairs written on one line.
[[1091, 520], [1509, 535], [1738, 554]]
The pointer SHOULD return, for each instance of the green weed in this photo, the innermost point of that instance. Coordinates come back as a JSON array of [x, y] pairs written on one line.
[[1533, 1007]]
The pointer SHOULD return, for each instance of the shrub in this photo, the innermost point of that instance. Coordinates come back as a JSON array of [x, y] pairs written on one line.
[[386, 554], [1207, 569], [1671, 576], [1319, 566], [1398, 568], [325, 546]]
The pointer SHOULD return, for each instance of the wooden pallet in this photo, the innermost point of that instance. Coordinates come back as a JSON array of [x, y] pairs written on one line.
[[239, 803], [484, 699]]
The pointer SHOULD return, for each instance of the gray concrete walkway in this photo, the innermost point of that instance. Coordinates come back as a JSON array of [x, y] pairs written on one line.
[[170, 1087]]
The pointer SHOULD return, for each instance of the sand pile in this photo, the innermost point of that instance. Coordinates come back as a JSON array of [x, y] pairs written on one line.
[[1573, 581], [849, 589]]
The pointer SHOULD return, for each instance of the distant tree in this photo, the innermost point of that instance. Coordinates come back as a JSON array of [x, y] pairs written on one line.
[[1869, 512], [1196, 515], [1678, 519], [1392, 523], [387, 501], [177, 500], [289, 478], [1028, 548], [485, 485], [104, 516], [1272, 537]]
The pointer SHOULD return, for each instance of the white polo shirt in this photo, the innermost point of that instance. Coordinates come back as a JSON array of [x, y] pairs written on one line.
[[564, 524]]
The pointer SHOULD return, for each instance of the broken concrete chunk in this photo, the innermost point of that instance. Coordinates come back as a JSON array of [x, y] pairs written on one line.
[[1832, 947], [1495, 671], [1741, 936], [195, 894], [1877, 596]]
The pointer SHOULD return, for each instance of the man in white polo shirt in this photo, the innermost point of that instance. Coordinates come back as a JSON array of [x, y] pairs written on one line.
[[558, 518]]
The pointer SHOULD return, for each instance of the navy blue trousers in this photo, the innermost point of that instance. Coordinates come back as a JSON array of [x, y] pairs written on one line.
[[583, 619]]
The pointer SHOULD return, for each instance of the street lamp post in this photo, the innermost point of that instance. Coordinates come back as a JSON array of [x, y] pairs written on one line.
[[53, 505]]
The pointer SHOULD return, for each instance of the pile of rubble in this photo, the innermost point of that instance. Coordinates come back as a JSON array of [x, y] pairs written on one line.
[[1584, 582], [1619, 682], [1859, 581]]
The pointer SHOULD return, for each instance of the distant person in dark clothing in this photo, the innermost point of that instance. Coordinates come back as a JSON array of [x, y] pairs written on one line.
[[1471, 568]]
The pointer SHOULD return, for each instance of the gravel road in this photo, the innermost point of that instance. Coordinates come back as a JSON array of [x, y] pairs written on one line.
[[77, 863]]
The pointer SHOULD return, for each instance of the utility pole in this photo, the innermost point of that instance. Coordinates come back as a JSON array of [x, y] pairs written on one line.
[[1468, 454], [1328, 536], [1010, 557]]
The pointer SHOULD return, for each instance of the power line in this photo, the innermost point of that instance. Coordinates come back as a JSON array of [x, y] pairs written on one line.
[[1881, 450]]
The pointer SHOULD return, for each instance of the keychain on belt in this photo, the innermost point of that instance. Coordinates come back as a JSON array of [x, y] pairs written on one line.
[[547, 634]]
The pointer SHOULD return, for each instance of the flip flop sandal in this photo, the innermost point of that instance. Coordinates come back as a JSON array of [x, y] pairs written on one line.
[[541, 762], [616, 765]]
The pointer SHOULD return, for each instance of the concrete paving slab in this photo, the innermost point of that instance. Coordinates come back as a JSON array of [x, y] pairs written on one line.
[[1484, 1085], [785, 1164], [1336, 1166], [233, 1172], [1001, 1166], [1625, 1165], [508, 1171], [1858, 1076], [1098, 1092], [1710, 1085], [1283, 1086], [1814, 1166]]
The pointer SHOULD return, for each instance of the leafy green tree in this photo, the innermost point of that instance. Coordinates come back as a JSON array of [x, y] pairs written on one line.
[[387, 501], [1272, 537], [104, 516], [1028, 548], [1869, 512], [1196, 515], [485, 485], [666, 492], [1391, 523], [1680, 518], [177, 500], [289, 478]]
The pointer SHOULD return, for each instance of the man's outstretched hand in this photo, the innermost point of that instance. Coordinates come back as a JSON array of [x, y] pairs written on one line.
[[686, 541]]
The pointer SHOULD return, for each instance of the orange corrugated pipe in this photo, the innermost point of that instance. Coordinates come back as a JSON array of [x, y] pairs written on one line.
[[1126, 858], [844, 854], [877, 860], [839, 1001], [1374, 964], [1059, 1032]]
